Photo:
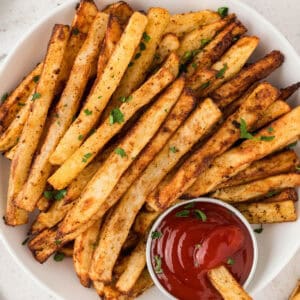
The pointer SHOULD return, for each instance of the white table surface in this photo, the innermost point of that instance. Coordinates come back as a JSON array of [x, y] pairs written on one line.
[[16, 17]]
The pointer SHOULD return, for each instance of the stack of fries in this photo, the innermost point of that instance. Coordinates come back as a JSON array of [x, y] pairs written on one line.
[[131, 111]]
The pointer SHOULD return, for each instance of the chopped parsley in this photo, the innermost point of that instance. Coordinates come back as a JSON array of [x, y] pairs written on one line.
[[183, 213], [173, 149], [190, 205], [157, 264], [116, 116], [194, 65], [58, 256], [87, 112], [25, 241], [130, 64], [57, 242], [137, 56], [156, 235], [267, 138], [292, 145], [271, 194], [204, 85], [142, 46], [75, 31], [55, 195], [200, 215], [187, 55], [146, 37], [4, 97], [221, 72], [80, 137], [86, 157], [99, 97], [36, 96], [223, 11], [21, 104], [259, 229], [230, 261], [36, 78], [125, 99], [204, 42], [270, 129], [120, 152]]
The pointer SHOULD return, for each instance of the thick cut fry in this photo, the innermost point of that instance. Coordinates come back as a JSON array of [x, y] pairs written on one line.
[[234, 88], [200, 80], [284, 195], [257, 189], [287, 92], [143, 283], [64, 112], [67, 251], [18, 98], [143, 221], [121, 10], [43, 204], [99, 287], [295, 295], [276, 164], [199, 37], [134, 76], [101, 185], [213, 51], [224, 137], [116, 228], [77, 162], [104, 86], [135, 266], [84, 246], [232, 62], [183, 23], [270, 212], [11, 152], [34, 126], [12, 134], [226, 284], [286, 129]]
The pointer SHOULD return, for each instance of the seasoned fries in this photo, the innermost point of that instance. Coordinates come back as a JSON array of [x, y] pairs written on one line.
[[295, 295], [128, 112]]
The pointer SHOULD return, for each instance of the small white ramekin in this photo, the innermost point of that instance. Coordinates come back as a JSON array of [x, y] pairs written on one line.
[[203, 200]]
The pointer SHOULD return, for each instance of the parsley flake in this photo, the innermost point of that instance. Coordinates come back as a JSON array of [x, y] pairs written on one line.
[[125, 99], [204, 42], [75, 31], [194, 65], [190, 205], [87, 112], [86, 157], [35, 96], [120, 152], [142, 46], [58, 256], [156, 235], [173, 149], [270, 129], [4, 97], [55, 195], [183, 213], [116, 116], [223, 11], [57, 242], [36, 78], [221, 72], [230, 261], [25, 241], [146, 37], [80, 137], [200, 215], [204, 85], [259, 229], [137, 56], [157, 264]]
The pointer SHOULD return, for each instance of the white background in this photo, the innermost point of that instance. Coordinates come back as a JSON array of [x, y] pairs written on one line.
[[16, 17]]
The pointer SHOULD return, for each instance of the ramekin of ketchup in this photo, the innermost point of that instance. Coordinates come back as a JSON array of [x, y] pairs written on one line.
[[193, 237]]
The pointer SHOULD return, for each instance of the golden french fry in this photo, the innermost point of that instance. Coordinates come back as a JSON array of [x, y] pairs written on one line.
[[285, 130], [229, 132], [143, 221], [295, 295], [268, 212], [182, 23], [287, 92], [143, 283], [67, 251], [285, 194], [43, 204], [85, 154], [113, 236], [121, 10], [33, 128], [257, 189], [102, 90], [10, 153], [276, 164], [226, 284]]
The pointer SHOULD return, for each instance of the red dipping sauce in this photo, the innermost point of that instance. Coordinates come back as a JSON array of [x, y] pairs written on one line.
[[193, 239]]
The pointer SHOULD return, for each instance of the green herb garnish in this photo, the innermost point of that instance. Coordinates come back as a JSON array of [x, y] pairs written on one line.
[[80, 137], [75, 31], [221, 72], [146, 37], [120, 152], [87, 112], [58, 256], [142, 46], [270, 129], [137, 56], [36, 96], [230, 261], [86, 157], [259, 229], [183, 213], [204, 42], [125, 99], [173, 149], [156, 235], [223, 11], [55, 195], [25, 241], [57, 242], [194, 65], [271, 194], [190, 205], [157, 265], [116, 116], [200, 215], [204, 85], [292, 145], [4, 97], [36, 78]]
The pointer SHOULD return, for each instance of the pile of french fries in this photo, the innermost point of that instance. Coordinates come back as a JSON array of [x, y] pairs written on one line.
[[130, 111]]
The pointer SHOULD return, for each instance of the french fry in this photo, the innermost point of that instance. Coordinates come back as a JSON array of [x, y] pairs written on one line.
[[143, 283], [283, 162], [66, 251], [268, 212], [234, 88], [226, 284], [64, 112], [135, 266], [43, 204], [76, 163], [111, 293], [84, 246], [116, 164], [11, 152], [199, 37], [257, 189], [143, 221], [135, 74], [99, 287], [182, 23], [286, 129], [295, 295], [200, 80], [287, 92], [121, 10], [32, 131], [102, 90], [284, 195], [250, 111], [214, 50], [18, 98], [232, 62], [131, 241], [117, 227]]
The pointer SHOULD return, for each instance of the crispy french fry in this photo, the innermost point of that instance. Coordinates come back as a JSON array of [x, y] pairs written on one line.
[[33, 128], [116, 164], [286, 129], [143, 283], [183, 23], [232, 62], [143, 221], [295, 295], [84, 247], [131, 242], [18, 98], [258, 188], [99, 287], [276, 164], [284, 195], [201, 36], [67, 251], [234, 88], [102, 90], [116, 228], [226, 284], [135, 74], [64, 112], [121, 10], [287, 92], [214, 50], [43, 204], [77, 162], [200, 80], [268, 212], [250, 111], [111, 293], [135, 266], [10, 153]]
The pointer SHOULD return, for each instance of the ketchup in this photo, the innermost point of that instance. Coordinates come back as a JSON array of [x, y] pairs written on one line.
[[193, 239]]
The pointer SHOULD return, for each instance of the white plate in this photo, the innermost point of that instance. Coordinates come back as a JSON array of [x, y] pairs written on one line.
[[277, 244]]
